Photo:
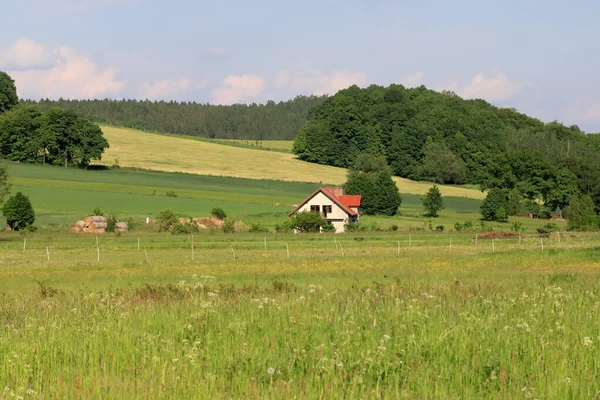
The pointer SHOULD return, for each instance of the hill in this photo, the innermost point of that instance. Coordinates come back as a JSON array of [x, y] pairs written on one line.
[[270, 121], [136, 149]]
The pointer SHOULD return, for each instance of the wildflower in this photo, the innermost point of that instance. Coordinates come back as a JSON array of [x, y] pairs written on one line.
[[587, 341], [270, 371], [567, 380]]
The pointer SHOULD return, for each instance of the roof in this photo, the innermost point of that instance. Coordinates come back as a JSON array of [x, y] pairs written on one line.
[[344, 202]]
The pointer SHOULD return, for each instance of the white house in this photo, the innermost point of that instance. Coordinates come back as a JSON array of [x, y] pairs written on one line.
[[333, 205]]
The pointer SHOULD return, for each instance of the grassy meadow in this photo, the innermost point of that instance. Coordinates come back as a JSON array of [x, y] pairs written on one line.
[[132, 148], [428, 321]]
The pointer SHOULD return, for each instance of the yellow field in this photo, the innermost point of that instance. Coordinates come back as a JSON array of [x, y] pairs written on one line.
[[175, 154]]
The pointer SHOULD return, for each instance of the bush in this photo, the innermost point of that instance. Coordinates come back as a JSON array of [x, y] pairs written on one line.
[[355, 227], [185, 228], [440, 228], [257, 228], [581, 215], [228, 226], [516, 226], [465, 226], [18, 212], [165, 219], [171, 194], [97, 211], [394, 228], [551, 226], [111, 223], [218, 213], [495, 205], [308, 221], [283, 228], [328, 228], [131, 224]]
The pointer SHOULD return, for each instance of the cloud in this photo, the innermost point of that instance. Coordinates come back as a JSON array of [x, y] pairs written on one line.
[[25, 53], [413, 80], [316, 82], [238, 88], [168, 88], [493, 86], [52, 72], [584, 111]]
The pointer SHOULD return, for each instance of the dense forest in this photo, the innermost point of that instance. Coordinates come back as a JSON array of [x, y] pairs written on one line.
[[270, 121], [428, 135]]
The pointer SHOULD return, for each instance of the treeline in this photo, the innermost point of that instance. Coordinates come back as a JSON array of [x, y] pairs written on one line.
[[55, 136], [427, 135], [270, 121]]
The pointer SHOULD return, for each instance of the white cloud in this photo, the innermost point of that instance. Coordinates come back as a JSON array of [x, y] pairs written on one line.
[[316, 82], [168, 88], [25, 53], [494, 86], [413, 80], [238, 88], [69, 74], [584, 111]]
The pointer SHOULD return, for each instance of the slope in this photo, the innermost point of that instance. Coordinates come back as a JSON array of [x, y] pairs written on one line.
[[137, 149]]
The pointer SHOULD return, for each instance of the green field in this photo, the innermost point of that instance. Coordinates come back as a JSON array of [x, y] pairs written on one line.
[[425, 322]]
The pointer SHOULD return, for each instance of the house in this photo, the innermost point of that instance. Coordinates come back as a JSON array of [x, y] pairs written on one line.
[[335, 207]]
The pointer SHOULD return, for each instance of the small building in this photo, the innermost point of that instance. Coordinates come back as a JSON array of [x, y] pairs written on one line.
[[333, 205]]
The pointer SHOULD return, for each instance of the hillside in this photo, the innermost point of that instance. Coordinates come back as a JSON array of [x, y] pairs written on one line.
[[131, 148], [270, 121]]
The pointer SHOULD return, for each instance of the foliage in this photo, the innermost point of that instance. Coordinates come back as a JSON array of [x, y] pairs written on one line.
[[184, 228], [465, 226], [307, 221], [111, 223], [218, 213], [581, 215], [516, 226], [372, 179], [171, 193], [228, 226], [8, 92], [239, 121], [424, 134], [18, 212], [258, 228], [494, 207], [56, 137], [433, 202], [165, 220], [4, 185], [97, 211]]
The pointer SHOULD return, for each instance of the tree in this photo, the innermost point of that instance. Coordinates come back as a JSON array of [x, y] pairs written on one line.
[[441, 165], [372, 180], [433, 202], [581, 215], [18, 212], [4, 185], [218, 213], [308, 221], [495, 205], [19, 134], [165, 219], [8, 92]]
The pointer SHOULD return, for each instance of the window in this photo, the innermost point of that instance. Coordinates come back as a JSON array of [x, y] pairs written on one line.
[[326, 210], [315, 208]]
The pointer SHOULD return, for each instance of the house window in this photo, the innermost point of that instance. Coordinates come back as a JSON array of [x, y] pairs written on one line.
[[326, 211], [315, 208]]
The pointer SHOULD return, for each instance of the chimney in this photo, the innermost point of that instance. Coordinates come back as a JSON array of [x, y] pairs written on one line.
[[338, 191]]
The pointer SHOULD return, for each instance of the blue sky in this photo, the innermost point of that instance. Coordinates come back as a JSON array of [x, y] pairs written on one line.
[[541, 57]]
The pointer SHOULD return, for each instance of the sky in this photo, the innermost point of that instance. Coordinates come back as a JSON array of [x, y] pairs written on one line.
[[541, 57]]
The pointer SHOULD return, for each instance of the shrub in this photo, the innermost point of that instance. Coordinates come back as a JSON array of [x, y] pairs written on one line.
[[283, 228], [495, 205], [184, 228], [440, 228], [328, 228], [355, 227], [111, 223], [258, 228], [394, 228], [97, 211], [308, 221], [516, 226], [165, 219], [465, 226], [131, 223], [551, 226], [228, 226], [171, 194], [581, 215], [18, 212], [218, 213]]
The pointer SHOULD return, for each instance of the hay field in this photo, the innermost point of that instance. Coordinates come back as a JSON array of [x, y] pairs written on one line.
[[429, 322], [176, 154]]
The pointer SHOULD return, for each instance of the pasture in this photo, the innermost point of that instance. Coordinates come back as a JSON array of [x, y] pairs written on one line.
[[423, 320], [137, 149]]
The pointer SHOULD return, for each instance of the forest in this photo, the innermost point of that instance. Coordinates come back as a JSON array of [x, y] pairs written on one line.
[[270, 121], [428, 135]]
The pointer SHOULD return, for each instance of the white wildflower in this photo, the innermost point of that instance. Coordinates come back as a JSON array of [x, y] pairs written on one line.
[[587, 341], [270, 371]]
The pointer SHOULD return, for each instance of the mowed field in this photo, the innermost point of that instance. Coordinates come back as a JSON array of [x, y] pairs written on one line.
[[157, 152], [427, 321]]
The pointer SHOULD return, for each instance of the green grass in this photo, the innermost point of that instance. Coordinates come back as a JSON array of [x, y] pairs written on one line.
[[429, 322]]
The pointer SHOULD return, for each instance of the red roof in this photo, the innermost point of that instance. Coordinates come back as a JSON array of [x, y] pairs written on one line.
[[344, 202]]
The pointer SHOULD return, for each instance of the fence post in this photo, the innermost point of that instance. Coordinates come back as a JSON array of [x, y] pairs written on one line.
[[138, 244], [493, 245], [193, 255], [145, 252], [287, 249], [450, 244], [519, 238], [409, 240], [542, 243], [476, 239], [24, 244], [98, 248], [558, 236], [342, 249], [265, 243], [48, 253], [335, 241], [398, 247], [233, 251]]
